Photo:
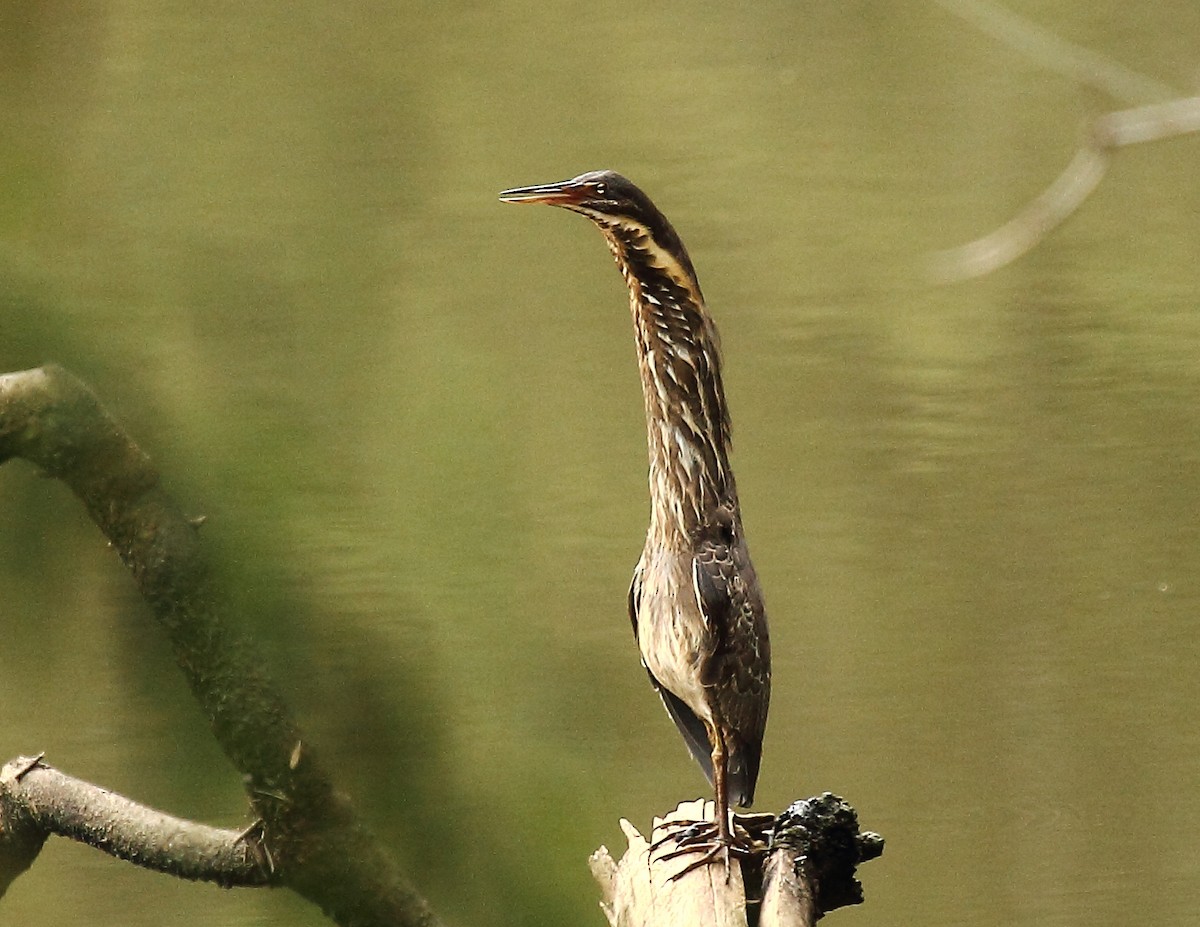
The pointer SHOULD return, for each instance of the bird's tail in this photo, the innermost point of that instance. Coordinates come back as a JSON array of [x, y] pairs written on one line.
[[742, 767], [742, 773]]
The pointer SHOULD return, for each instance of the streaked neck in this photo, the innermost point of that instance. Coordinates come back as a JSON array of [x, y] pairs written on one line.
[[687, 421]]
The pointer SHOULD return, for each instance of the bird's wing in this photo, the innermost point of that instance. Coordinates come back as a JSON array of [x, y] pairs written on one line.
[[690, 726], [737, 673], [635, 597]]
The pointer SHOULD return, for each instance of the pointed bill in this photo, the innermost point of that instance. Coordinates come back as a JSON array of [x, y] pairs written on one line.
[[563, 193]]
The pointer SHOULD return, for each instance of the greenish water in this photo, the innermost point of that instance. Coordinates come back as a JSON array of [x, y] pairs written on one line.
[[269, 237]]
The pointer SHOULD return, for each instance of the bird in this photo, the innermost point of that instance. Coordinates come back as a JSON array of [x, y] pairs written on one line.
[[695, 600]]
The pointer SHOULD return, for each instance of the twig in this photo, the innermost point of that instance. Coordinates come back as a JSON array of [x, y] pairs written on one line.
[[1151, 123]]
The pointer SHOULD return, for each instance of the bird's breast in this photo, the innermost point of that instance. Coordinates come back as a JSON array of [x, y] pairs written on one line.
[[672, 636]]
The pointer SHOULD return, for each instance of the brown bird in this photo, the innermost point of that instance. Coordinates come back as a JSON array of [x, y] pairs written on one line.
[[695, 601]]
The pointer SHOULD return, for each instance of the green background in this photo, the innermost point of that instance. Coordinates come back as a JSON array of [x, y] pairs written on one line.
[[268, 235]]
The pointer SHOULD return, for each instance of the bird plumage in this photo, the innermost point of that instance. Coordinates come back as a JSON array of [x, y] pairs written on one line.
[[694, 602]]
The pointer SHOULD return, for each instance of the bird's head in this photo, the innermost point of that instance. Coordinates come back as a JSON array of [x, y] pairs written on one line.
[[602, 196], [632, 223]]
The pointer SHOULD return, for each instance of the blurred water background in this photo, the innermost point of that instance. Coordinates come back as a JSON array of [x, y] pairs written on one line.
[[268, 236]]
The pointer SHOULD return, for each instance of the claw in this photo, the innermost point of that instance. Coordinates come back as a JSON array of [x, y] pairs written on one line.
[[704, 837], [681, 832], [714, 852]]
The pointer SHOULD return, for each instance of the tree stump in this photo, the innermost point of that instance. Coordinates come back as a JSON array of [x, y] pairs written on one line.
[[806, 870]]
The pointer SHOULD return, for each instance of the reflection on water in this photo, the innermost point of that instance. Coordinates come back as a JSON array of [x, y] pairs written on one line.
[[413, 419]]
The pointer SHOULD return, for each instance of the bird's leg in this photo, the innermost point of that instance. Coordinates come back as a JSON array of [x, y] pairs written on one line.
[[720, 804], [689, 835], [721, 801], [714, 841]]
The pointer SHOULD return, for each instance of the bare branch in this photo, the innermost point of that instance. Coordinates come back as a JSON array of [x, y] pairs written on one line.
[[1148, 123], [310, 831], [1075, 184], [1050, 51], [21, 838], [36, 796], [1035, 222], [1113, 130], [817, 842], [639, 891], [1063, 197]]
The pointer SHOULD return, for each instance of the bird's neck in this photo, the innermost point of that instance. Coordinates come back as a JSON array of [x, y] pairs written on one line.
[[687, 421]]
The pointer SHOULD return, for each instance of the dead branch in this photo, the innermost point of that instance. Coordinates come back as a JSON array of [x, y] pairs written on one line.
[[817, 844], [41, 800], [1082, 176], [638, 891], [807, 871], [309, 831], [1007, 243]]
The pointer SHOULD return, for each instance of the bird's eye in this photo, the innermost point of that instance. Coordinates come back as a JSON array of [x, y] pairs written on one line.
[[599, 189]]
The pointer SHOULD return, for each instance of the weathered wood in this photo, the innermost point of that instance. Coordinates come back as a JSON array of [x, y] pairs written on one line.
[[637, 891], [787, 897], [807, 871]]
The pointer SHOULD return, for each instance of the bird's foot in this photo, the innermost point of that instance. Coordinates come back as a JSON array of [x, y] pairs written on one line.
[[711, 853], [752, 831], [680, 831], [747, 839]]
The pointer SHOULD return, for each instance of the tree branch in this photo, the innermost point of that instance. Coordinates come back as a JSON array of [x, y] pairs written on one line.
[[1082, 176], [316, 844], [36, 797], [1021, 233], [1069, 191], [816, 849]]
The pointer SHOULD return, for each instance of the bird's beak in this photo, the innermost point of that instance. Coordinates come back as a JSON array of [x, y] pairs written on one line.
[[563, 193]]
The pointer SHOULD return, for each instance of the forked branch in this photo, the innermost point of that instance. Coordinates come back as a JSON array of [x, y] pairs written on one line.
[[310, 838], [1114, 130]]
